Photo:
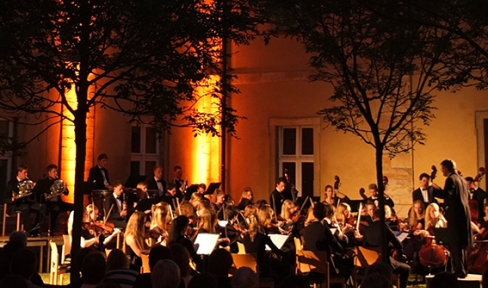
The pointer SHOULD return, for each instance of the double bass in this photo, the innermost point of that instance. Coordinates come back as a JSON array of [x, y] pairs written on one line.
[[473, 203]]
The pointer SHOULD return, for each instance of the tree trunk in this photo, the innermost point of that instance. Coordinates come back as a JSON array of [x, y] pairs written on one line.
[[80, 142], [381, 202]]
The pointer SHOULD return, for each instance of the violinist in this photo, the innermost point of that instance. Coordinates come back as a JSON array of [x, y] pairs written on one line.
[[92, 234], [232, 230], [160, 220], [195, 199], [145, 202], [115, 206], [218, 198], [331, 222], [433, 219], [247, 198], [177, 234], [135, 240], [246, 214], [207, 224], [416, 215], [170, 195]]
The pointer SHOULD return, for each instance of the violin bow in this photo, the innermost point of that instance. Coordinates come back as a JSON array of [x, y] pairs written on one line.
[[106, 216], [359, 215], [178, 203], [226, 218], [303, 204], [311, 202], [171, 212]]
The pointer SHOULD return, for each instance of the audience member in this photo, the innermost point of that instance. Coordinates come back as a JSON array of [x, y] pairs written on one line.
[[166, 274], [93, 269], [109, 283], [294, 281], [203, 280], [182, 259], [443, 280], [80, 257], [157, 253], [244, 277], [6, 255], [219, 264], [380, 268], [14, 281], [18, 236], [376, 280], [118, 269], [24, 263]]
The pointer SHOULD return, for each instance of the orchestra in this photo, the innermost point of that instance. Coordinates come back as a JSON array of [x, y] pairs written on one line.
[[334, 225]]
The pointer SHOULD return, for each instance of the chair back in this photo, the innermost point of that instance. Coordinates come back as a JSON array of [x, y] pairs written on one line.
[[366, 257], [54, 255], [248, 260], [145, 264], [298, 244], [312, 261], [241, 248], [66, 247]]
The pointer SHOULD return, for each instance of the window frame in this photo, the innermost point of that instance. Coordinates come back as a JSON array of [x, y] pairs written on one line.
[[142, 157]]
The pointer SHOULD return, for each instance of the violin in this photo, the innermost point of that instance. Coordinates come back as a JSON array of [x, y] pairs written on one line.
[[99, 228]]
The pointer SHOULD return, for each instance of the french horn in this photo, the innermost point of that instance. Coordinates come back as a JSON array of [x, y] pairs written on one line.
[[25, 189], [56, 189]]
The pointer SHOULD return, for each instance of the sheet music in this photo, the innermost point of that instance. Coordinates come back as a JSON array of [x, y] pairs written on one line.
[[400, 235], [205, 243], [277, 239]]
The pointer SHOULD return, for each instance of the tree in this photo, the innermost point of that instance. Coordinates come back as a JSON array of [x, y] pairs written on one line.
[[135, 57], [383, 72]]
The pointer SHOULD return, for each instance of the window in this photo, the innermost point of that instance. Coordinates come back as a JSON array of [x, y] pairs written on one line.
[[144, 149], [6, 132], [296, 155]]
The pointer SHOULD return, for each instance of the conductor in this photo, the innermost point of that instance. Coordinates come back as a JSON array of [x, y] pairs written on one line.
[[456, 195]]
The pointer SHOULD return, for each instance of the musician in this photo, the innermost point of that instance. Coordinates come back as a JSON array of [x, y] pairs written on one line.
[[179, 183], [278, 195], [144, 203], [170, 196], [160, 221], [54, 205], [416, 215], [373, 190], [115, 206], [425, 192], [90, 235], [201, 188], [98, 176], [218, 200], [317, 236], [289, 186], [134, 238], [23, 204], [177, 234], [483, 224], [332, 198], [247, 198], [157, 182], [456, 195], [372, 238], [433, 219], [478, 194]]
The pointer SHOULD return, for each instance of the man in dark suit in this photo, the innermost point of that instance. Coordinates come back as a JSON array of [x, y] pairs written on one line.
[[373, 190], [156, 182], [115, 207], [170, 196], [372, 239], [23, 204], [55, 204], [179, 183], [425, 192], [278, 195], [456, 195], [478, 194], [98, 176]]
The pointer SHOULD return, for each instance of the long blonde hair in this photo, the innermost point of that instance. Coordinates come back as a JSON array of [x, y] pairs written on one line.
[[208, 220], [264, 216], [88, 210], [254, 227], [216, 195], [440, 223], [285, 213], [412, 216], [135, 227], [339, 214], [161, 216]]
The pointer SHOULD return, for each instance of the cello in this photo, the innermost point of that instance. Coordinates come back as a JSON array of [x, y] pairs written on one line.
[[473, 203]]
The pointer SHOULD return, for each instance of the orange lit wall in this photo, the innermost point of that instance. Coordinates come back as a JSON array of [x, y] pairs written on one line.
[[205, 149], [68, 147]]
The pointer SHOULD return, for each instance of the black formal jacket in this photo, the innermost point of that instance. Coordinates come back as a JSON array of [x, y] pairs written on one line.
[[372, 236], [479, 195], [13, 186], [279, 199], [388, 201], [417, 195], [114, 215], [95, 177], [44, 186], [318, 237], [456, 199], [152, 185]]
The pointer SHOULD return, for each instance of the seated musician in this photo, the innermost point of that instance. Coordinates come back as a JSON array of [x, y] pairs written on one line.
[[370, 207], [115, 206], [234, 227], [416, 215], [160, 221], [170, 196], [23, 204], [477, 194], [195, 199], [91, 234], [483, 225], [255, 242], [247, 198], [134, 238], [372, 238], [207, 224], [332, 198], [317, 236], [201, 188], [218, 200], [373, 190], [55, 204], [144, 202], [177, 234], [346, 222], [433, 219]]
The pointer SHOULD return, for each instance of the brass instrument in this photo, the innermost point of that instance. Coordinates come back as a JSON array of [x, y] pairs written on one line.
[[25, 189], [56, 189]]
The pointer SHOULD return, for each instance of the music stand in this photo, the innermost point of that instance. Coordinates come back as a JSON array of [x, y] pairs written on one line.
[[441, 236], [153, 193], [205, 243], [133, 180], [354, 205], [191, 189], [277, 239], [212, 187]]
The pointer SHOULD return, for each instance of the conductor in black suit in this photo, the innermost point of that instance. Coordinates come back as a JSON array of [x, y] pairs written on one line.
[[478, 194], [278, 195], [98, 176], [115, 206], [456, 195], [425, 192], [156, 182], [373, 190]]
